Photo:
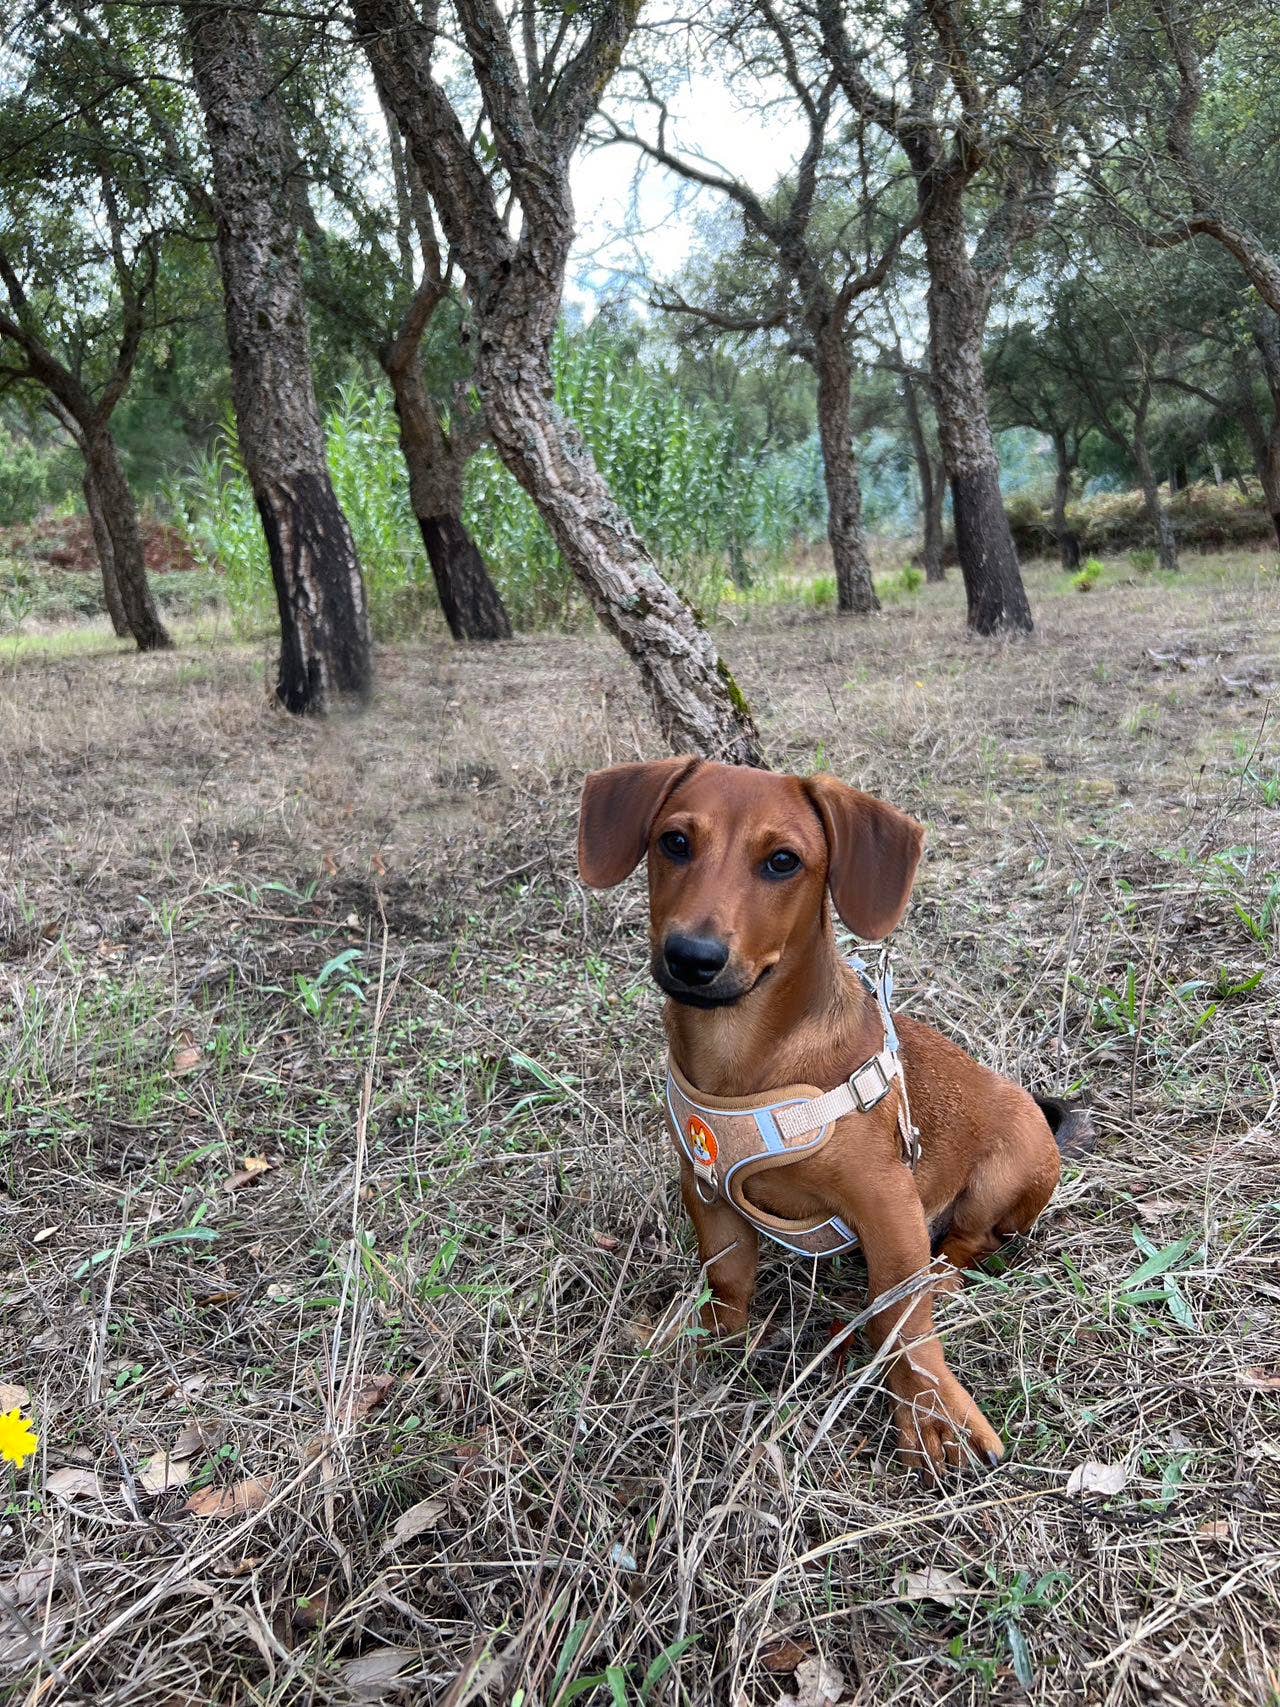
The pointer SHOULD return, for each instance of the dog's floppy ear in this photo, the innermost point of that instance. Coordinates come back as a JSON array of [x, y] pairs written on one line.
[[872, 854], [617, 813]]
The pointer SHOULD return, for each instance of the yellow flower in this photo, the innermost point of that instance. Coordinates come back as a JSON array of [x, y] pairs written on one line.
[[18, 1440]]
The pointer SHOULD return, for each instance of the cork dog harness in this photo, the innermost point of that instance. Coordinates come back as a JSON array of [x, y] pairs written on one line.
[[728, 1140]]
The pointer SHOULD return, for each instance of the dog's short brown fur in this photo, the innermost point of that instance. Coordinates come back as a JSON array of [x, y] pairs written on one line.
[[786, 1009]]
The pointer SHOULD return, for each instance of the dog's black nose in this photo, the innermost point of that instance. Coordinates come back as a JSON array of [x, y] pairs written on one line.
[[695, 960]]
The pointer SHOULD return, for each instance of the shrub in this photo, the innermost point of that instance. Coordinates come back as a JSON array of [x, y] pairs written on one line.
[[904, 584], [32, 476], [1089, 576], [1205, 517], [1143, 559]]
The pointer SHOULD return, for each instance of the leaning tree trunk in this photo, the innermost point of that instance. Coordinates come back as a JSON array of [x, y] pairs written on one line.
[[1068, 539], [1157, 514], [516, 286], [120, 516], [855, 590], [996, 597], [472, 605], [324, 621], [932, 486], [699, 706], [106, 556]]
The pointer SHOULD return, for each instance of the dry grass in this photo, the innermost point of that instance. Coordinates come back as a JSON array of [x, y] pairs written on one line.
[[469, 1190]]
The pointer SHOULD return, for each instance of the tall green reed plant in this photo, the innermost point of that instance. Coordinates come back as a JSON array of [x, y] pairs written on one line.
[[710, 510]]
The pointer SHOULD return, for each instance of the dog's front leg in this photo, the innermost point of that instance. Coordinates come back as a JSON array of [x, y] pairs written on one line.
[[936, 1417], [729, 1249]]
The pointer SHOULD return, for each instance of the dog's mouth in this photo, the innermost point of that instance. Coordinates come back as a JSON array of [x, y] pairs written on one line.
[[708, 997]]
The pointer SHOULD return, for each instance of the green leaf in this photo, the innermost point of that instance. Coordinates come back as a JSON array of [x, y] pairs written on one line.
[[1020, 1654], [1158, 1260], [568, 1654], [663, 1664]]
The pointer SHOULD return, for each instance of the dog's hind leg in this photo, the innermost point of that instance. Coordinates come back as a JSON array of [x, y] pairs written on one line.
[[1006, 1192]]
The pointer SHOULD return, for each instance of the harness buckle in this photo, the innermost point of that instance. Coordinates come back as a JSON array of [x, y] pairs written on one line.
[[871, 1084], [706, 1185], [911, 1147]]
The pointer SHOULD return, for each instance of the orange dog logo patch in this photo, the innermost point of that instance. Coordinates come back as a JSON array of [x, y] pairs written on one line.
[[702, 1140]]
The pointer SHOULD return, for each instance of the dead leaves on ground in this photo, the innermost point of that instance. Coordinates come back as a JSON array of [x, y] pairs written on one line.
[[164, 1472], [1260, 1380], [186, 1060], [1094, 1477], [944, 1588], [364, 1396], [251, 1169], [416, 1521], [369, 1675], [241, 1499], [72, 1483]]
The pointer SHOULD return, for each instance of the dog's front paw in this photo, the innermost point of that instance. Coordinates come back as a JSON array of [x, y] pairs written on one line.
[[940, 1427]]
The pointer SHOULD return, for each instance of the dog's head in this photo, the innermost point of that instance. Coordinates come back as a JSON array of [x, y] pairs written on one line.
[[739, 865]]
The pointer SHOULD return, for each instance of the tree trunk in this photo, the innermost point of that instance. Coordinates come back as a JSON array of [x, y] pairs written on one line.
[[472, 605], [120, 516], [997, 599], [106, 556], [1157, 514], [1269, 473], [516, 285], [1267, 337], [324, 622], [698, 704], [935, 568], [1066, 536], [932, 486], [855, 590]]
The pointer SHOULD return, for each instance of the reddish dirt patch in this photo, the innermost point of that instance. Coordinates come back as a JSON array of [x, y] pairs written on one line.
[[66, 542]]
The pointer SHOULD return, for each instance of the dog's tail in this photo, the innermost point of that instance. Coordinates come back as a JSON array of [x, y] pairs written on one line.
[[1071, 1124]]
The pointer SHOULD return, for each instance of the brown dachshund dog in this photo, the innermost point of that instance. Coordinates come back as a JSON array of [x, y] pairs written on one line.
[[740, 865]]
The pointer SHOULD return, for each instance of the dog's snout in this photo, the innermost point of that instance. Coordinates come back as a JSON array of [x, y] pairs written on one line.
[[695, 960]]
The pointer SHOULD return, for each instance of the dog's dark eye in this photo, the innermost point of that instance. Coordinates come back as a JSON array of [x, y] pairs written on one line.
[[676, 845], [782, 863]]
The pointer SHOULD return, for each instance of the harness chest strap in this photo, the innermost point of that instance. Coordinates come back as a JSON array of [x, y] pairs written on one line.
[[728, 1140]]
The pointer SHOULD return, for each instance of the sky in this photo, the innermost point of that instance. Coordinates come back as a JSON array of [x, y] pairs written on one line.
[[617, 191]]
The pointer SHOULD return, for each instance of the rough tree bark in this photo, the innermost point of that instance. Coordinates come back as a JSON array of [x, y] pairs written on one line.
[[472, 605], [1148, 480], [997, 600], [435, 461], [1266, 335], [515, 284], [1068, 539], [128, 561], [324, 623], [106, 555], [97, 520], [932, 479], [854, 587]]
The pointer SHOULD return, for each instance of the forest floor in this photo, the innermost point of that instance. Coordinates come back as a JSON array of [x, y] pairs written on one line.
[[336, 1208]]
